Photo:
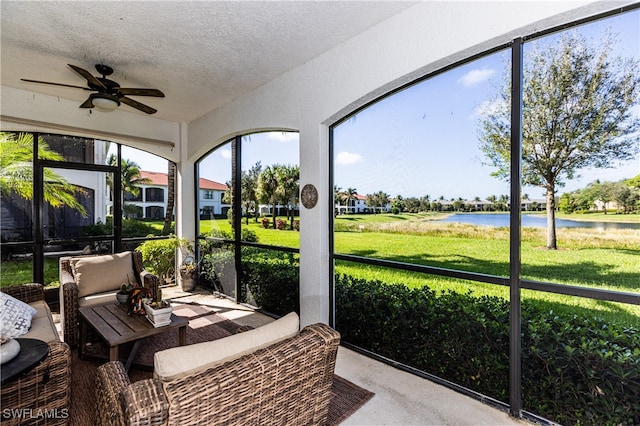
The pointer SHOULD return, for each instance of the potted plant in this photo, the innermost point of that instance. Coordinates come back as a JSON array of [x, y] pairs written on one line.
[[188, 273], [159, 312], [123, 294]]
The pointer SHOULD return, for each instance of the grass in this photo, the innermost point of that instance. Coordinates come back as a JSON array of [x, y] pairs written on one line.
[[597, 259], [603, 260], [14, 272]]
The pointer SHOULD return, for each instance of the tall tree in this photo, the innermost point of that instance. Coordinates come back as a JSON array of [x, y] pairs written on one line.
[[577, 113], [350, 194], [16, 172], [131, 178], [289, 188], [268, 189], [248, 190], [171, 198]]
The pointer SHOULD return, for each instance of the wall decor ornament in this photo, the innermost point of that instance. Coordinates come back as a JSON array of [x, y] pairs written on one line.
[[309, 196]]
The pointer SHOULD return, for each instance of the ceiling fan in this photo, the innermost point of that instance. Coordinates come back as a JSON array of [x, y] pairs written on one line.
[[109, 93]]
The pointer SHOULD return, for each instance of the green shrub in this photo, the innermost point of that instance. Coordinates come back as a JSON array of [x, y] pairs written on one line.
[[575, 370], [272, 279], [158, 256]]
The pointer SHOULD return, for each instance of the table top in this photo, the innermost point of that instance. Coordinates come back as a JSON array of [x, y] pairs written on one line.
[[116, 326], [32, 352]]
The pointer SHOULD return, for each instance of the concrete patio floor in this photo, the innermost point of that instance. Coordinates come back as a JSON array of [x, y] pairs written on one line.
[[400, 398]]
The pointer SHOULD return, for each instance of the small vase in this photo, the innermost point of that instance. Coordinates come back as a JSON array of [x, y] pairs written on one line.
[[188, 283], [122, 298], [9, 350]]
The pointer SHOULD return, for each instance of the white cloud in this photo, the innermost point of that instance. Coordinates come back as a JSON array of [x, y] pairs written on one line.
[[225, 153], [474, 77], [487, 108], [345, 157], [283, 136]]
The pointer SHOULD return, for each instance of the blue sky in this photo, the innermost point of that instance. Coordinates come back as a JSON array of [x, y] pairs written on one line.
[[423, 140]]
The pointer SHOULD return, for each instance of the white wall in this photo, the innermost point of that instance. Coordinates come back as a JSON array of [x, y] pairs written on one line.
[[424, 38], [27, 111]]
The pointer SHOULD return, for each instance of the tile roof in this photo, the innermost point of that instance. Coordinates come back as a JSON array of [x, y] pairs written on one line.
[[161, 179]]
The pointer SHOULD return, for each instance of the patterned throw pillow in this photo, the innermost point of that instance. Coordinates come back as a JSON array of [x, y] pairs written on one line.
[[15, 317]]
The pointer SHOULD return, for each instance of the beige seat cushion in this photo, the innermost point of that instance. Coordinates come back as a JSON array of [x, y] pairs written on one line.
[[178, 362], [42, 325], [98, 299], [99, 274]]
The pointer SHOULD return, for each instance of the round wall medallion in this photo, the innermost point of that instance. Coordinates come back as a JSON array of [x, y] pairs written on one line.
[[309, 196]]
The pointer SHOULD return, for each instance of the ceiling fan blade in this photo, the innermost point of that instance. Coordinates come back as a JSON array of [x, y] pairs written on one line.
[[90, 78], [141, 92], [138, 105], [54, 84], [87, 104]]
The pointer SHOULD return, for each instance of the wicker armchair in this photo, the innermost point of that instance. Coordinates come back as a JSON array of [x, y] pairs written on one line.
[[69, 298], [286, 383], [43, 395]]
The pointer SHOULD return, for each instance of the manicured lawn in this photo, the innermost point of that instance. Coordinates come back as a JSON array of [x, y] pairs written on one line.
[[20, 272], [585, 257], [589, 258]]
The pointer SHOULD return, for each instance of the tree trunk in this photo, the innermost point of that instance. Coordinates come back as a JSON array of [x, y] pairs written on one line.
[[551, 219], [273, 214], [171, 198]]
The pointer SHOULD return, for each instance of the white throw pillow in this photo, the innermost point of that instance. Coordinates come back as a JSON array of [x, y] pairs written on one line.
[[15, 316], [99, 274], [178, 362]]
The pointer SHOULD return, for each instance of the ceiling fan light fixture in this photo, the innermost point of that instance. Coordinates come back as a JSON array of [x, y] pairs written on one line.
[[105, 102]]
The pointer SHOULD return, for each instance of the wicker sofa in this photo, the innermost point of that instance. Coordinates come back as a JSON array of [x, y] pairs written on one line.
[[285, 383], [94, 280], [43, 395]]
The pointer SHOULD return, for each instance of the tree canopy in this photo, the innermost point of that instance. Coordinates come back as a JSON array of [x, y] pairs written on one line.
[[578, 112], [16, 172]]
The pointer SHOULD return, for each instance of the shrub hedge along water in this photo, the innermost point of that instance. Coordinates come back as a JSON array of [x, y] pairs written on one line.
[[575, 370]]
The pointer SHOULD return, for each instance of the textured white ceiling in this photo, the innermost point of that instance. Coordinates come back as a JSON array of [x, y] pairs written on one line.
[[200, 54]]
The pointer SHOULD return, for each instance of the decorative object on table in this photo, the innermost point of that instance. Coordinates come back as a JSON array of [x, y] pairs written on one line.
[[15, 320], [188, 273], [159, 313], [32, 352], [9, 349], [137, 299], [125, 291]]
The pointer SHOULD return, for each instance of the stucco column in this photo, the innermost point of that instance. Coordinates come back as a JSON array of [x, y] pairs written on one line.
[[185, 196], [314, 227]]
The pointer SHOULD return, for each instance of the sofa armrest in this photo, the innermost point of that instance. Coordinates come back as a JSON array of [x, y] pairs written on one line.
[[111, 379], [120, 402], [145, 403], [45, 388], [26, 292], [69, 312]]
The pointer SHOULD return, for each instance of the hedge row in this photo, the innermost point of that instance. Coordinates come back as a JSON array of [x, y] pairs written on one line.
[[575, 370]]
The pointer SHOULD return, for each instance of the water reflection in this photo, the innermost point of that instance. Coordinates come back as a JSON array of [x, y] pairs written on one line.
[[533, 221]]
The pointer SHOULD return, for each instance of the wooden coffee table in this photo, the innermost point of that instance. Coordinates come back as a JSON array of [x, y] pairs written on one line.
[[116, 327]]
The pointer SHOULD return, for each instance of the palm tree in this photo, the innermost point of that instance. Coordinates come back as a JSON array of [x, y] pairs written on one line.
[[248, 189], [337, 195], [267, 189], [289, 187], [171, 197], [350, 195], [130, 180], [16, 172]]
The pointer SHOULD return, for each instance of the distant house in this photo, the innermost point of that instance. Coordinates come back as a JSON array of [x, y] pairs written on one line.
[[151, 201]]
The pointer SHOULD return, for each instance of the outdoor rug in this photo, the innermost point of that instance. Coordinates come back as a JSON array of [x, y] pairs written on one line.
[[204, 325]]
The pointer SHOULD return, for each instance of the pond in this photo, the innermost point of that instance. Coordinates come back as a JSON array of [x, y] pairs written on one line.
[[533, 221]]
